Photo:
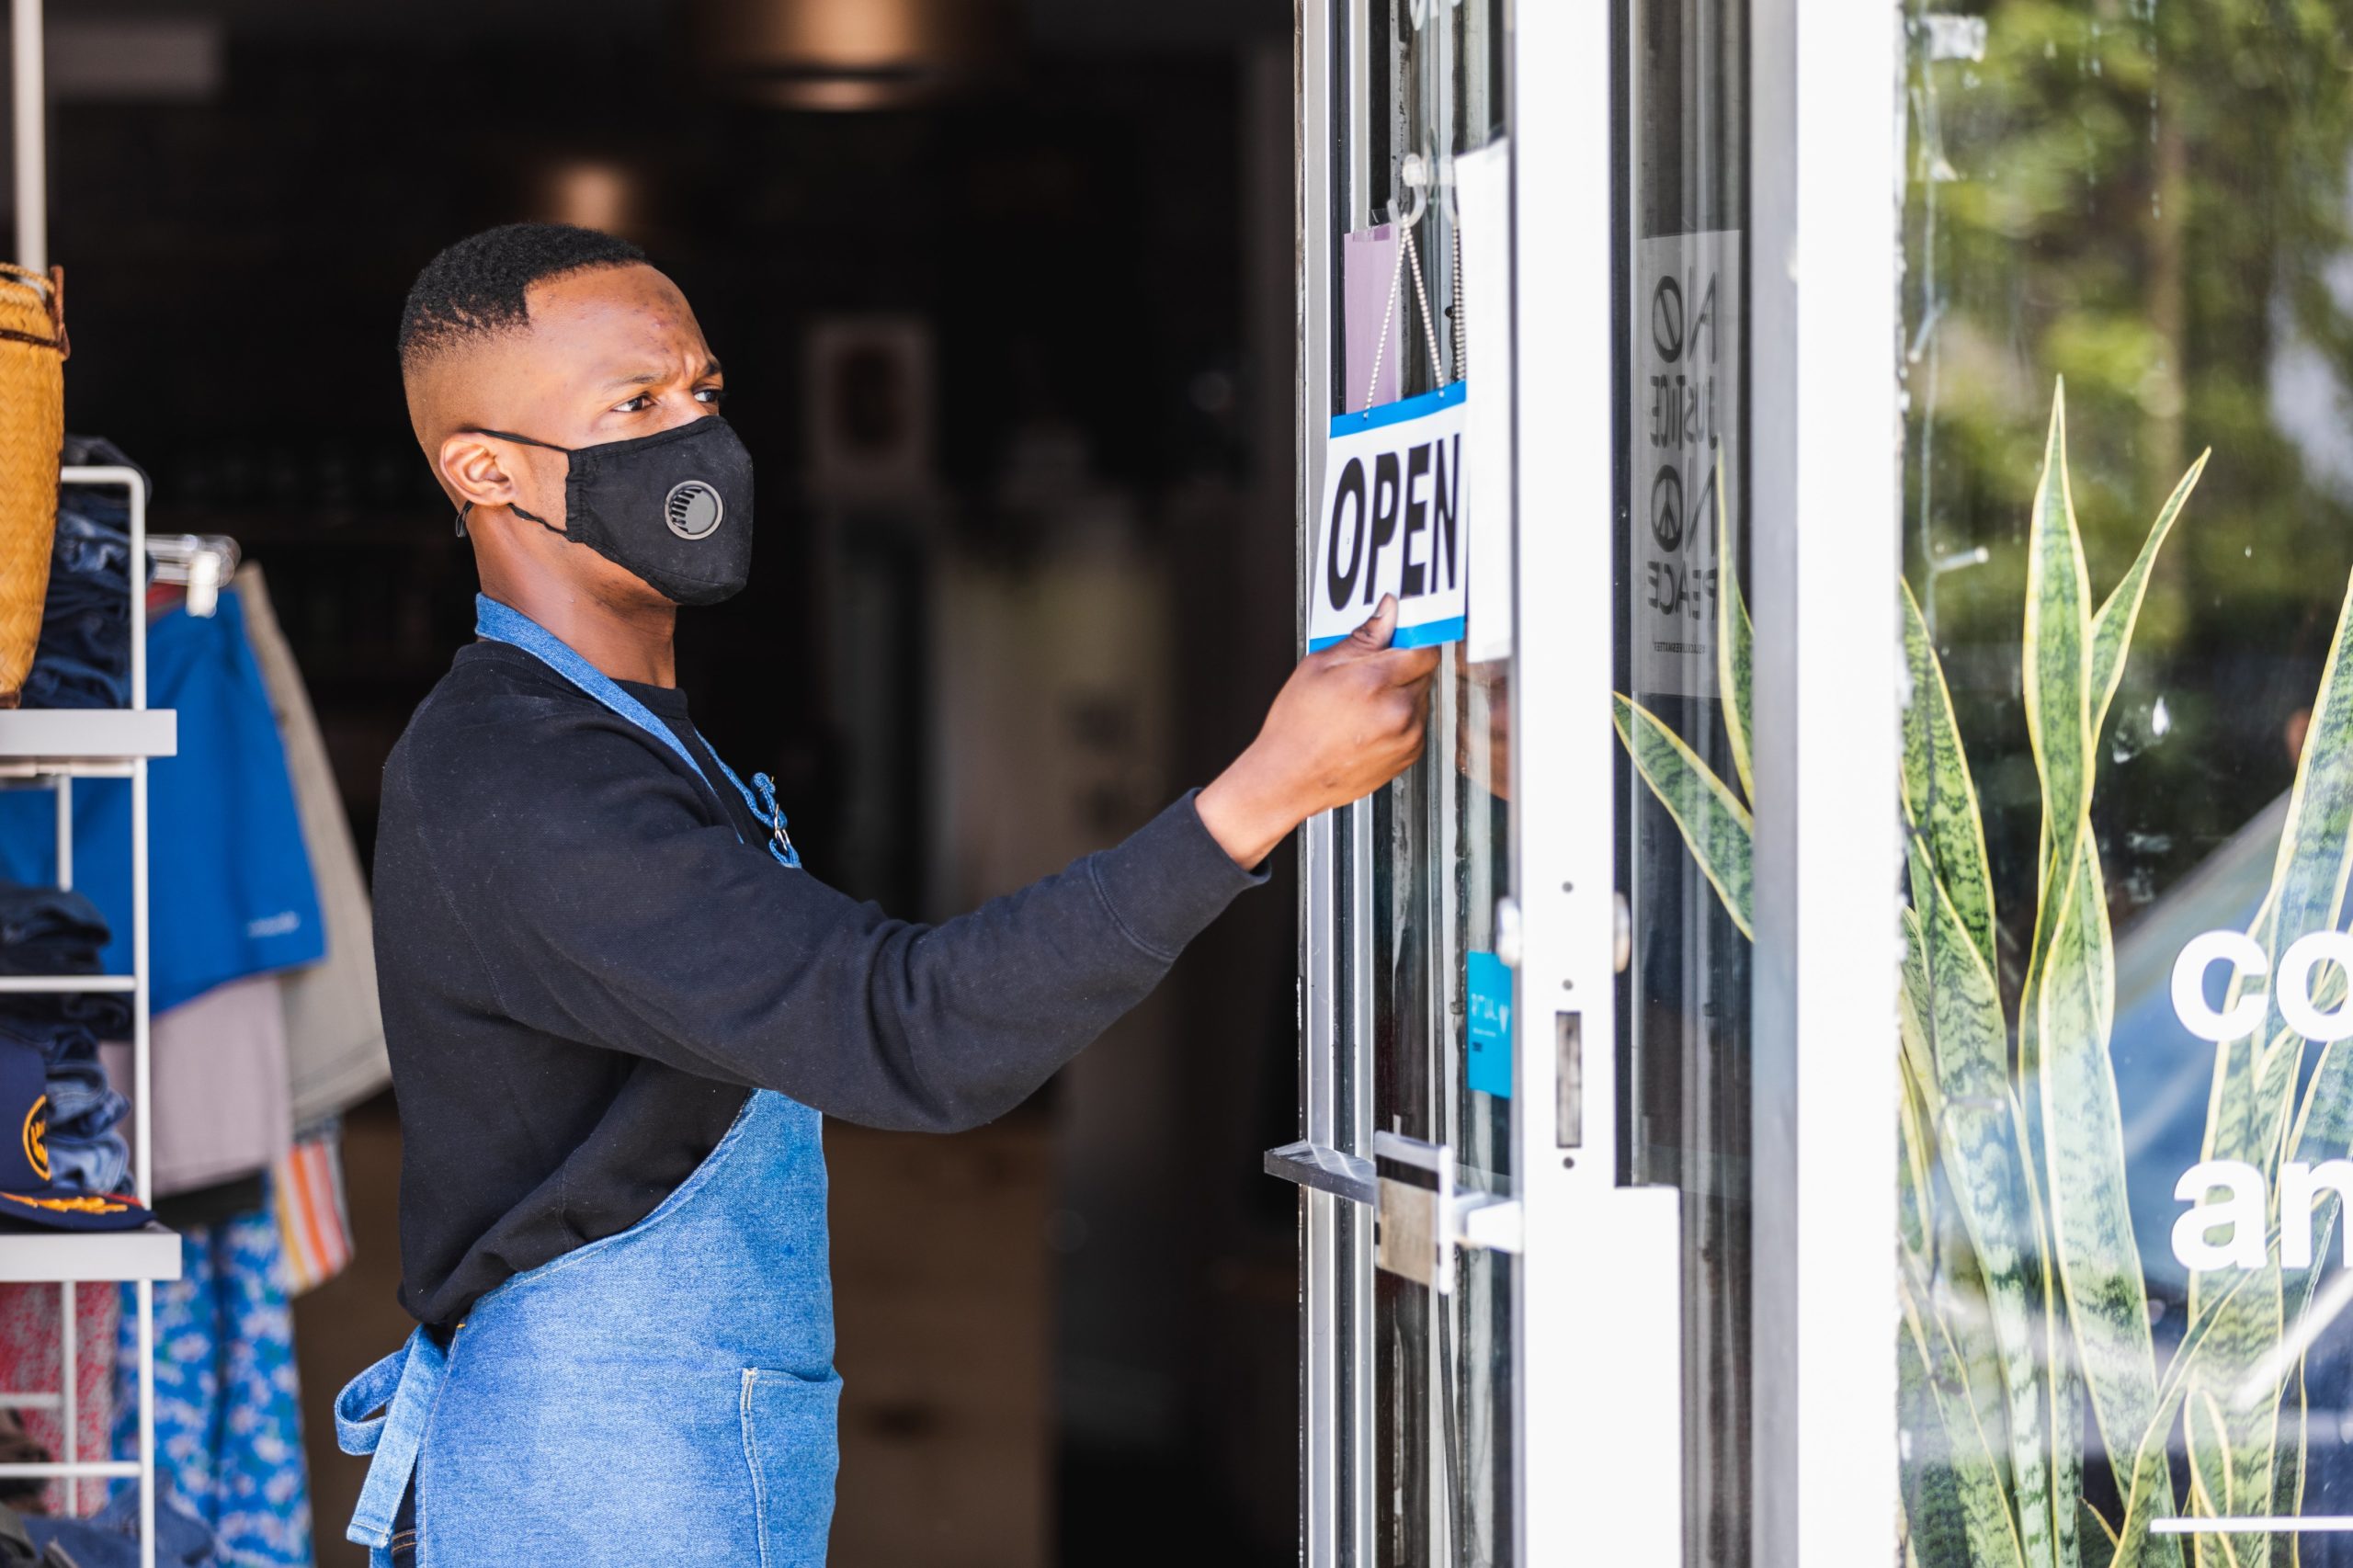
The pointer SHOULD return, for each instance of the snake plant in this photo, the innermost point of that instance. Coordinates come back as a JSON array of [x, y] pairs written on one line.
[[2025, 1352]]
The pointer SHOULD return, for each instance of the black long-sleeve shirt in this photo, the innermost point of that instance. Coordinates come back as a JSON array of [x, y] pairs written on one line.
[[585, 970]]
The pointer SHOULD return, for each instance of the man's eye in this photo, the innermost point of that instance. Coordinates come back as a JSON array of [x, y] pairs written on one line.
[[634, 404], [711, 395]]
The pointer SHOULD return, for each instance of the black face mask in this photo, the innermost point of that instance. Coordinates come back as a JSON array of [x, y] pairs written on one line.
[[674, 507]]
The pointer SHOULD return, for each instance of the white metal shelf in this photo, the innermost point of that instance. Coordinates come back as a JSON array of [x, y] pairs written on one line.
[[61, 745], [150, 1252], [67, 983], [56, 740]]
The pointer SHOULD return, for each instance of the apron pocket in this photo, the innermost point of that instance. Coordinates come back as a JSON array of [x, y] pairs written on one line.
[[789, 1444]]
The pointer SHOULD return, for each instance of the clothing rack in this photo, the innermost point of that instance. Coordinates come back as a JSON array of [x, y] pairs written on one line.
[[57, 747], [201, 562]]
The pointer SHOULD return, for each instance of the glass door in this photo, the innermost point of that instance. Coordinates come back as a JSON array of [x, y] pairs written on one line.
[[1685, 788], [1408, 1081], [1513, 1160]]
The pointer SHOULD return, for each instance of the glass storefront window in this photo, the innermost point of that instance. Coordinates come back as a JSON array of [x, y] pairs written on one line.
[[2128, 783]]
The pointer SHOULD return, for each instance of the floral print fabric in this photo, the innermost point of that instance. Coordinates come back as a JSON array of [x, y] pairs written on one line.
[[228, 1422]]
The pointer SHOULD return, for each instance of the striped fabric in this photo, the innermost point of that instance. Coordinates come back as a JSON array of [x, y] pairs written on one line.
[[312, 1221]]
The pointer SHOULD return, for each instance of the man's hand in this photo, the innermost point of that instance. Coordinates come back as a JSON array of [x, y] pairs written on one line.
[[1348, 722]]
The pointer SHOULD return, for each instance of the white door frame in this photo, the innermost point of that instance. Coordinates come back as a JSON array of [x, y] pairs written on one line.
[[1600, 1314], [1597, 1362], [1827, 491]]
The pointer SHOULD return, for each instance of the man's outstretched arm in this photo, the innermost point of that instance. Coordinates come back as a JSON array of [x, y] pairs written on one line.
[[637, 926]]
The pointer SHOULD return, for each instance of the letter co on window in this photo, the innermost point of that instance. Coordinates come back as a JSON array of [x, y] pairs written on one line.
[[2225, 1224]]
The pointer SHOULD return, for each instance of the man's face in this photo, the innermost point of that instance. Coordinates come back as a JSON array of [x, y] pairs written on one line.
[[611, 353]]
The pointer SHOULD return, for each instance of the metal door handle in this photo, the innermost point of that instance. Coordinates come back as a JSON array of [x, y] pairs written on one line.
[[1325, 1169], [1419, 1227]]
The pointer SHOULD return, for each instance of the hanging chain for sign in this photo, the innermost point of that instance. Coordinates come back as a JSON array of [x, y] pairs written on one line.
[[1409, 255], [1461, 342], [1429, 323]]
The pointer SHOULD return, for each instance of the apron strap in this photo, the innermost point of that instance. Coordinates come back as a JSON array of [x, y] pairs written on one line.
[[502, 623], [403, 1385]]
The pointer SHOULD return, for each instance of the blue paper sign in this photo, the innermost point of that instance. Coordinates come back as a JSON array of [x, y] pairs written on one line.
[[1490, 980]]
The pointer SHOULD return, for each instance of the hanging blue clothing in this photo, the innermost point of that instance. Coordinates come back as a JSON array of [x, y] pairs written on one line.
[[232, 894]]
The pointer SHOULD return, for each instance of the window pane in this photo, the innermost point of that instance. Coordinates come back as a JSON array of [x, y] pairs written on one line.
[[1684, 1003], [2124, 238]]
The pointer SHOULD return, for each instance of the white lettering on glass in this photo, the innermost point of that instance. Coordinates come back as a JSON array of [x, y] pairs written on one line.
[[2235, 948], [2299, 1187], [2296, 966], [2241, 1212]]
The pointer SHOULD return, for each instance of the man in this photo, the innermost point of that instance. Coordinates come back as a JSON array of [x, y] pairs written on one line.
[[617, 1006]]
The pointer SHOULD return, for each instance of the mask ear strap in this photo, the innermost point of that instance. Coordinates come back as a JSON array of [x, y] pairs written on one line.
[[467, 510], [510, 436]]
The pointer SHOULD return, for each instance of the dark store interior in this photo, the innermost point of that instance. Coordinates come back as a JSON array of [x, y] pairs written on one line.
[[1010, 338]]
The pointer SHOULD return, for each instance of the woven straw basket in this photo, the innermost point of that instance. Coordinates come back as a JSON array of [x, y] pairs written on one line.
[[32, 430]]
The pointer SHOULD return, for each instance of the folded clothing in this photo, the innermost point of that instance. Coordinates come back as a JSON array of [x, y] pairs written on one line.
[[84, 657], [110, 1538], [52, 931], [48, 930]]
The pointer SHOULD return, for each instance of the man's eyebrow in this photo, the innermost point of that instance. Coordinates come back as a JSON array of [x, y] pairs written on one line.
[[648, 378]]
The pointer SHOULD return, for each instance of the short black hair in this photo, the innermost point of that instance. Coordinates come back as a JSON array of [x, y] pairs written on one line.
[[475, 288]]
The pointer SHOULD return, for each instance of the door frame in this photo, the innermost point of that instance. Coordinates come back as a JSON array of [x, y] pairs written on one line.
[[1602, 1435], [1823, 271], [1826, 434]]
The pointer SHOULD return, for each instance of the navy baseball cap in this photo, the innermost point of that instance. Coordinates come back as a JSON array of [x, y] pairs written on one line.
[[26, 1192]]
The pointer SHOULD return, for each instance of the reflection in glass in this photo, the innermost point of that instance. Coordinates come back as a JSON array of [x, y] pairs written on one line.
[[2125, 730], [1684, 1004]]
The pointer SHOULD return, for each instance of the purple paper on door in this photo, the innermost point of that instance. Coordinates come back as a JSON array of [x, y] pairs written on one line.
[[1369, 300]]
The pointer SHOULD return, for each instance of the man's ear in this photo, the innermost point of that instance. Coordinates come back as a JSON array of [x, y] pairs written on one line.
[[474, 471]]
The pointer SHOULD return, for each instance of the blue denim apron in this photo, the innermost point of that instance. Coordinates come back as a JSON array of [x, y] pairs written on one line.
[[663, 1394]]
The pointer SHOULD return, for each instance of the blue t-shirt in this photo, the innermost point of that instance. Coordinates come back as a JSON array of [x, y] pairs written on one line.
[[229, 892]]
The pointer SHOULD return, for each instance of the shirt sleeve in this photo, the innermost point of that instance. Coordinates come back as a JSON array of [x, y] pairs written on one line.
[[606, 906]]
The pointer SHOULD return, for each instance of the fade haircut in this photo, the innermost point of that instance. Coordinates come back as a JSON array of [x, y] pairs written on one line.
[[474, 288]]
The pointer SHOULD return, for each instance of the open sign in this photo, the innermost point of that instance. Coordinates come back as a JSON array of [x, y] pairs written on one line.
[[1393, 521]]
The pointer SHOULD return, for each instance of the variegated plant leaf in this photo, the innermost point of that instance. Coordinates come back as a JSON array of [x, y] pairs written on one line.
[[1982, 1150], [1985, 1518], [2091, 1218], [2315, 858], [2112, 627], [1716, 827], [2057, 662], [1934, 1514], [2148, 1497], [1939, 796], [1735, 644]]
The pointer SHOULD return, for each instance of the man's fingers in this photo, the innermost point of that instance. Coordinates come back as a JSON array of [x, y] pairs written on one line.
[[1404, 666], [1377, 629]]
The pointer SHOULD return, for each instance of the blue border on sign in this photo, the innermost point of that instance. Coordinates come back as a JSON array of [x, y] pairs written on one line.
[[1422, 636], [1415, 407]]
